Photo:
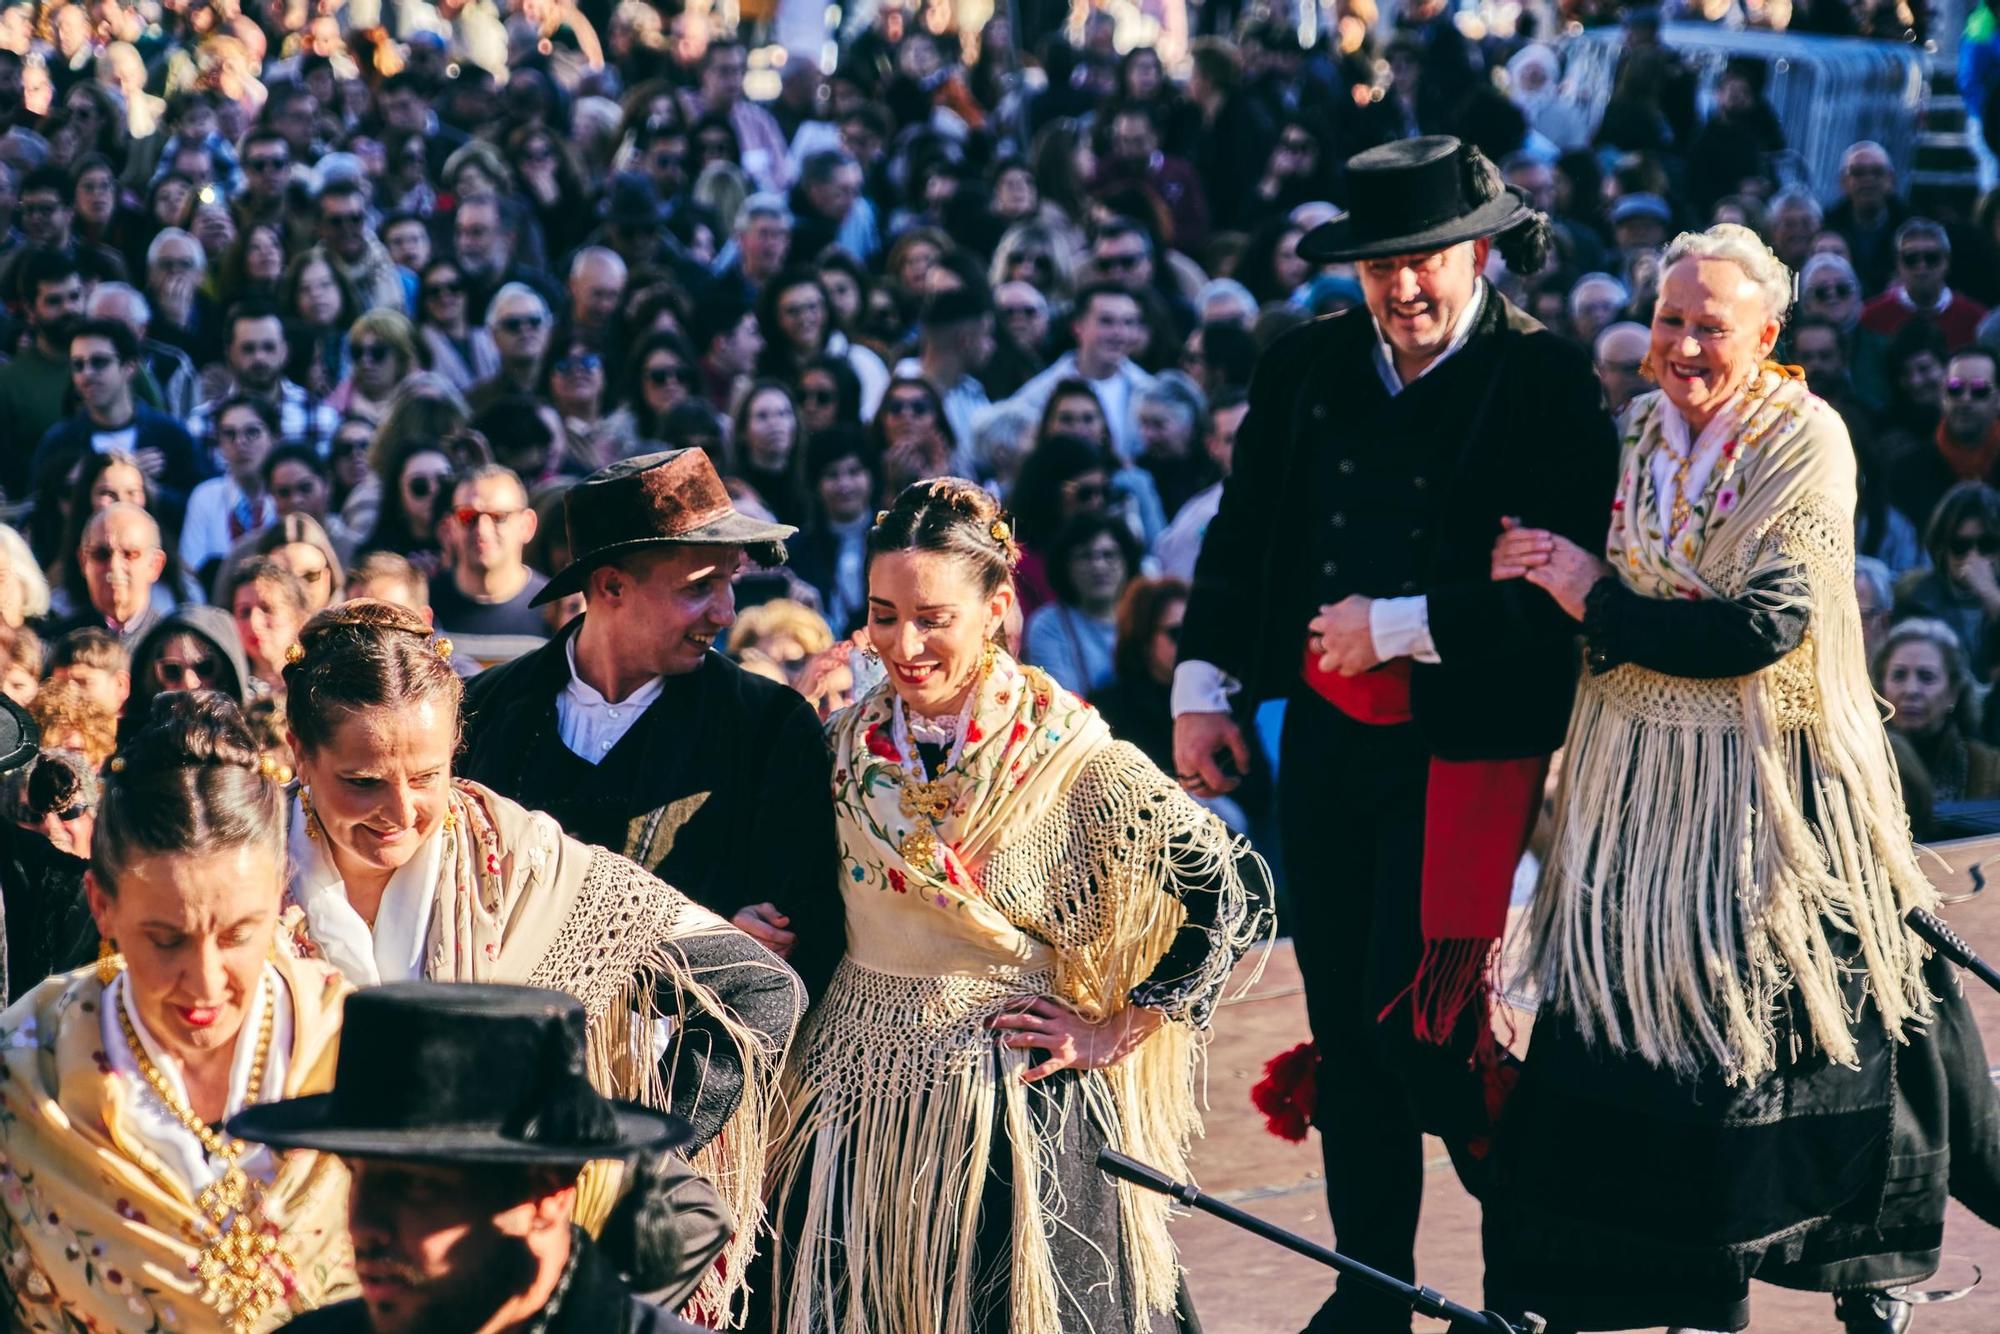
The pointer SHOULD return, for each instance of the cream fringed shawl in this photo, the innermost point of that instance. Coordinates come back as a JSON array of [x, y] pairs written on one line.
[[93, 1229], [518, 900], [1715, 837], [1061, 868]]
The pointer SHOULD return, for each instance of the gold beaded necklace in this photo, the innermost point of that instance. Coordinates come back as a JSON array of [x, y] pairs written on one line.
[[240, 1264]]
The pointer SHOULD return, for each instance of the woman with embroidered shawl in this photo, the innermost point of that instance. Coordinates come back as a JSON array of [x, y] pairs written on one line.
[[121, 1207], [1039, 924], [400, 871], [1743, 1066]]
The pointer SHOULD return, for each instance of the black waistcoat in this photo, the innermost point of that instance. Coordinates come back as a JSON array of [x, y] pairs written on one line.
[[1373, 498], [1340, 489]]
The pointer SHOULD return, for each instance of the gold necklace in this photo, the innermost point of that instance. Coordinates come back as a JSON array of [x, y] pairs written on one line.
[[240, 1263], [932, 800], [1682, 509]]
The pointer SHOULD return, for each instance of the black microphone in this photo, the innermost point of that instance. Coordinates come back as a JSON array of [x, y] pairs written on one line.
[[1951, 945]]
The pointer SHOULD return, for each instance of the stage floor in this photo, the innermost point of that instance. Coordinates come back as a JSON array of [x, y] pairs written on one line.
[[1243, 1285]]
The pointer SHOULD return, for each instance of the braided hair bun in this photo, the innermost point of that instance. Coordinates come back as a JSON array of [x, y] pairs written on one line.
[[192, 780], [361, 655], [954, 517]]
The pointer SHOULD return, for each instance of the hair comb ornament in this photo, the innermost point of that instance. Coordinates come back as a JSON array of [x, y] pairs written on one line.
[[295, 653], [1001, 532], [881, 517], [442, 647], [117, 765], [272, 770]]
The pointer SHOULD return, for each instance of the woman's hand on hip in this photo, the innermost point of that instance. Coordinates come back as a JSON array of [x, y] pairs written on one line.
[[1072, 1041]]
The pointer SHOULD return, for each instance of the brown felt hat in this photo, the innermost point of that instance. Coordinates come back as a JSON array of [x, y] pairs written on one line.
[[671, 499]]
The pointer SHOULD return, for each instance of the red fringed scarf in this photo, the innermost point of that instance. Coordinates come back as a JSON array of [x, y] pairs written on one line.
[[1477, 819]]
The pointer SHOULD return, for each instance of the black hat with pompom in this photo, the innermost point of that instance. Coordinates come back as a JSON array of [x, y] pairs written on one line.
[[1415, 196]]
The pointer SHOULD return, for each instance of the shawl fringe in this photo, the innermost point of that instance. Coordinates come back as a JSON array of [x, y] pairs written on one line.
[[1715, 837], [895, 1095]]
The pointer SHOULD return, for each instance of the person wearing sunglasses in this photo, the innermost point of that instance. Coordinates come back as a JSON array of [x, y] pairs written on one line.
[[1830, 290], [1962, 586], [1923, 263], [1964, 446], [520, 325], [912, 435], [829, 395], [103, 364], [461, 350], [381, 352], [195, 647], [350, 244], [575, 383], [489, 588], [416, 479]]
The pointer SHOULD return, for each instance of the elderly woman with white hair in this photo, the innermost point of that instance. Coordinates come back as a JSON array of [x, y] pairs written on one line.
[[1743, 1065], [1830, 289]]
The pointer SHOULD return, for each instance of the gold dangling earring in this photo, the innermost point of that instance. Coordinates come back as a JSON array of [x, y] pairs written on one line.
[[306, 808], [109, 961]]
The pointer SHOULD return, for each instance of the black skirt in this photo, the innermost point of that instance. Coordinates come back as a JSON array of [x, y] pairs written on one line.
[[1629, 1198]]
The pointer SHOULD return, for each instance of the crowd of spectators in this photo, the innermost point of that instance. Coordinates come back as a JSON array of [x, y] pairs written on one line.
[[306, 302]]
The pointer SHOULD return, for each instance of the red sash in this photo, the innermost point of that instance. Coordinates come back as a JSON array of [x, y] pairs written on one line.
[[1477, 818]]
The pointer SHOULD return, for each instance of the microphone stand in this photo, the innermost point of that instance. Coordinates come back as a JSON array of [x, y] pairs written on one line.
[[1424, 1301], [1951, 945]]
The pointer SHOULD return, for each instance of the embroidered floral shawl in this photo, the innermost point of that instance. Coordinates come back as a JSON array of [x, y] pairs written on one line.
[[93, 1228]]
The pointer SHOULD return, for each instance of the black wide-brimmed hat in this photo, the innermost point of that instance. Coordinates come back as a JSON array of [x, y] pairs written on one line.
[[1413, 196], [20, 739], [462, 1072], [671, 499]]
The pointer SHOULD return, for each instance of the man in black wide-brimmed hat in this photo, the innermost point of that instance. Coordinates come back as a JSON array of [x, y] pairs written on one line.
[[635, 734], [464, 1115], [1348, 572]]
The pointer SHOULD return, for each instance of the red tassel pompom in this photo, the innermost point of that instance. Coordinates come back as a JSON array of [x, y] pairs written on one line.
[[1285, 1095]]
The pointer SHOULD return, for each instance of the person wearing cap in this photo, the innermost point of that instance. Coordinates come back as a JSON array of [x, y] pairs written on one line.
[[1639, 221], [463, 1118], [45, 925], [635, 734], [1346, 571]]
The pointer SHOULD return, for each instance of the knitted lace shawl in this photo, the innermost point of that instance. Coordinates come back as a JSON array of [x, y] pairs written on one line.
[[1061, 868], [1720, 842]]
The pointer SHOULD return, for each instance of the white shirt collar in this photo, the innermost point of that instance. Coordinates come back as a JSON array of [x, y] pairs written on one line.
[[1944, 299], [1461, 333], [394, 950], [584, 695]]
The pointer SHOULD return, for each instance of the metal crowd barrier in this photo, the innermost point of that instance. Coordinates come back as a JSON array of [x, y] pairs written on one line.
[[1828, 92]]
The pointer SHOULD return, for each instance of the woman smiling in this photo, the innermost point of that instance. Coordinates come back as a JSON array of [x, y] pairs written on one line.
[[1717, 937], [401, 871], [1039, 924], [120, 1200]]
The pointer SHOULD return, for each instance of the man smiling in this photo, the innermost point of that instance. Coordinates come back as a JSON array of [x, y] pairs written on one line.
[[1346, 570], [635, 736]]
